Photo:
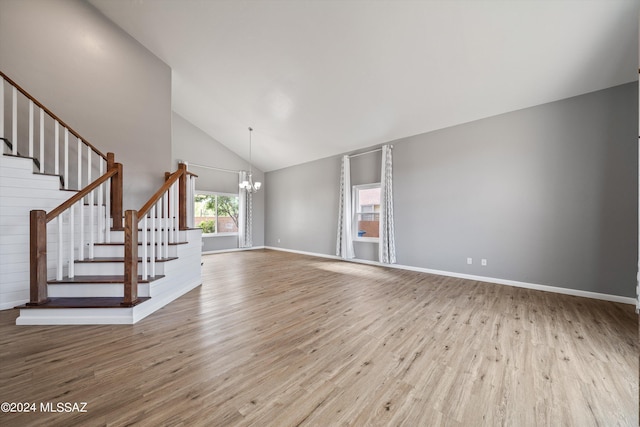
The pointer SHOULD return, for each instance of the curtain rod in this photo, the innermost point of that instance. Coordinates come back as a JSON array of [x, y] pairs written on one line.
[[212, 167], [367, 152]]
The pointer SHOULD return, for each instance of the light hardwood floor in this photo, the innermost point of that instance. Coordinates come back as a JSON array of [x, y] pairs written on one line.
[[279, 339]]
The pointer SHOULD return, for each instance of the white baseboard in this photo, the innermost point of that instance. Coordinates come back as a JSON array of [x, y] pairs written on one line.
[[546, 288], [222, 251]]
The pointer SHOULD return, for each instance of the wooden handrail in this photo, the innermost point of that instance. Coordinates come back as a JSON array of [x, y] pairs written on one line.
[[171, 179], [78, 196], [35, 101]]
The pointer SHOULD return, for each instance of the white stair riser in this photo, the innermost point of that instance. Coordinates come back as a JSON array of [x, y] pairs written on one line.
[[110, 251], [117, 236], [110, 268], [68, 290]]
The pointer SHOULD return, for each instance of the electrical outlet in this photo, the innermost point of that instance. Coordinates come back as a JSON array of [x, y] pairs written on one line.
[[483, 262], [469, 261]]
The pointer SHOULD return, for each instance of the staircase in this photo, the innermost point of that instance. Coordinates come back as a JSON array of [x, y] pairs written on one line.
[[73, 257], [95, 294]]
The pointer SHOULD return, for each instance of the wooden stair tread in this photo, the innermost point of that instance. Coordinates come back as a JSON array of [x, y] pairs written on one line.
[[139, 244], [117, 279], [85, 302], [120, 259], [9, 144]]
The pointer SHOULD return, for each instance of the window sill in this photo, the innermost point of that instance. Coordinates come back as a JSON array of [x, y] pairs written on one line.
[[219, 234], [367, 239]]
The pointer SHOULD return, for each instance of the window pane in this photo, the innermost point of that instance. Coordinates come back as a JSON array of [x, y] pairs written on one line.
[[227, 214], [204, 212], [369, 200], [368, 216], [368, 225]]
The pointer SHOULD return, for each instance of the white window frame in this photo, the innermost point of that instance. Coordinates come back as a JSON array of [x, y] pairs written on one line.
[[216, 193], [356, 203]]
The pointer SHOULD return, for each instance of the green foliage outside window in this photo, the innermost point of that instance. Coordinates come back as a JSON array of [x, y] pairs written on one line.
[[227, 212], [208, 226]]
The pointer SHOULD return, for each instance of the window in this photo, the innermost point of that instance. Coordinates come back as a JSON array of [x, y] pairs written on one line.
[[216, 213], [366, 199]]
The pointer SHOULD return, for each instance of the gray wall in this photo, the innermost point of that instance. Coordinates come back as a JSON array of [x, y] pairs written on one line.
[[548, 195], [192, 145], [96, 78], [302, 206]]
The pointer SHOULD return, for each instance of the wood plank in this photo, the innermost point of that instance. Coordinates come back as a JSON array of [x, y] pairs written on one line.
[[274, 338], [77, 302]]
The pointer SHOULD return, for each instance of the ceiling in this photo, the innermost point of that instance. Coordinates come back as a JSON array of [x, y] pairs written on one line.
[[319, 78]]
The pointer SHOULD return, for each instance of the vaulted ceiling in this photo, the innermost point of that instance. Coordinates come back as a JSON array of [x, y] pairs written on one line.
[[318, 78]]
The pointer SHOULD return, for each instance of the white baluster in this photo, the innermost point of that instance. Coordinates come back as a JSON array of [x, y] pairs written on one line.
[[189, 203], [88, 165], [107, 211], [81, 204], [145, 233], [159, 232], [91, 225], [66, 158], [56, 148], [152, 242], [188, 178], [41, 141], [172, 213], [165, 225], [176, 213], [192, 202], [30, 128], [91, 203], [14, 121], [79, 187], [2, 134], [101, 228], [81, 236], [59, 263], [71, 241]]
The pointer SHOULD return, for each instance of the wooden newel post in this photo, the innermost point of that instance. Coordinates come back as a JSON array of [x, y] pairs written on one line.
[[182, 197], [116, 192], [130, 258], [38, 258]]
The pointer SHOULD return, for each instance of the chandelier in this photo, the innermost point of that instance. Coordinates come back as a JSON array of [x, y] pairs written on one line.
[[249, 185]]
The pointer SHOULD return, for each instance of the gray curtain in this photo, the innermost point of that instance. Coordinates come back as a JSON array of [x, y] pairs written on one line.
[[387, 246], [245, 215], [344, 242]]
